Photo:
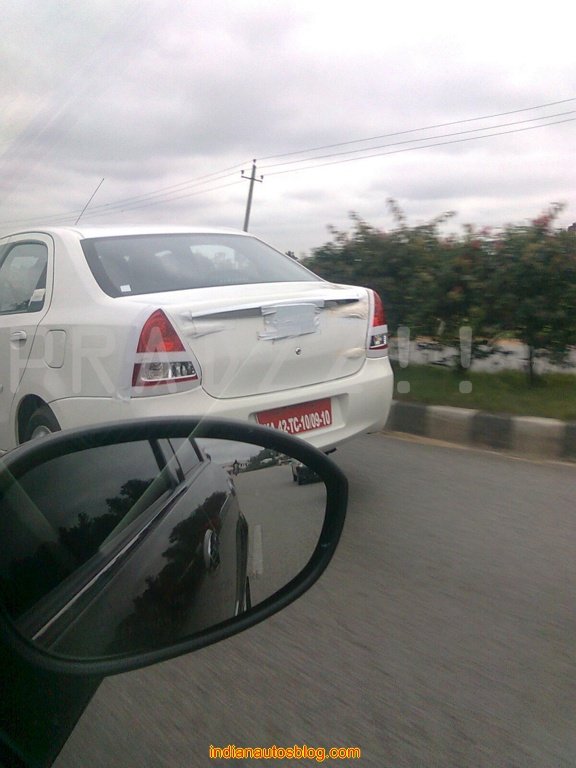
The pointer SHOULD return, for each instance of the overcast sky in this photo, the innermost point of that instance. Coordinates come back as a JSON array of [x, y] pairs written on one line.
[[169, 101]]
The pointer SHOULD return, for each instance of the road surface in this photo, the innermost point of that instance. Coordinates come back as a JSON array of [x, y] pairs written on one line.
[[443, 633]]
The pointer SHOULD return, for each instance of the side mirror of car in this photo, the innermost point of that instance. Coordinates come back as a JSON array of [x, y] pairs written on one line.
[[134, 542]]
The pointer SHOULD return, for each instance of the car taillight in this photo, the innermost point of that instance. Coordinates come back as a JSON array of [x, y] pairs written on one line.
[[378, 333], [161, 357]]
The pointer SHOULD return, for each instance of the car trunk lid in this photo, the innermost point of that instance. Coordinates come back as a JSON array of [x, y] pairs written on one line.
[[257, 339]]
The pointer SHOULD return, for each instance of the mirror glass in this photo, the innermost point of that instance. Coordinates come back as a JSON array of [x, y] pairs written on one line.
[[136, 545]]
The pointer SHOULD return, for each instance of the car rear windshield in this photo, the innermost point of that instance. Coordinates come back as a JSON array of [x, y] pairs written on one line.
[[136, 264]]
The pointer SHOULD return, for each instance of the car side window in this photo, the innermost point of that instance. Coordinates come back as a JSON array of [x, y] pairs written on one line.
[[187, 453], [23, 278], [56, 527]]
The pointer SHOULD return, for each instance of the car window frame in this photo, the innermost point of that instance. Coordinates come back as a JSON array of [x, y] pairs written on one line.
[[32, 238], [5, 255]]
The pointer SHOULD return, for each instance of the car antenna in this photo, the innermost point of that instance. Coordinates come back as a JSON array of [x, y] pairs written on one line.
[[89, 201]]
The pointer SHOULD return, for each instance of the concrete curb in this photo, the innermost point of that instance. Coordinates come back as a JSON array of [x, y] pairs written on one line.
[[521, 435]]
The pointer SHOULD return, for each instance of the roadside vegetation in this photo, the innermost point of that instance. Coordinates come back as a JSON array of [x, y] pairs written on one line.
[[552, 395], [476, 288]]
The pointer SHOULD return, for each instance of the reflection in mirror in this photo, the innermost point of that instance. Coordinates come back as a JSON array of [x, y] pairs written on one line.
[[134, 546]]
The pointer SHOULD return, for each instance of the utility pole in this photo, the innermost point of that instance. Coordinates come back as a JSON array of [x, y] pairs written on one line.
[[252, 178]]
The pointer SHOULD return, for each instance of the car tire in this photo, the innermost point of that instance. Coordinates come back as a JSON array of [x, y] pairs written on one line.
[[41, 423]]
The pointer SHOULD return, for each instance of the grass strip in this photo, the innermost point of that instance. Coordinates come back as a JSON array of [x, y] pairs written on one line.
[[553, 396]]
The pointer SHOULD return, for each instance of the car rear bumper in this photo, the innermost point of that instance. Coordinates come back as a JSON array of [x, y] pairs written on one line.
[[360, 404]]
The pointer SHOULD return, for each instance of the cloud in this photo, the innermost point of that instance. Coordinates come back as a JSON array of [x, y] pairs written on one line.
[[155, 95]]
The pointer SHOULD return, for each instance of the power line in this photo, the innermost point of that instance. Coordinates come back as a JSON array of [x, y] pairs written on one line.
[[412, 141], [423, 146], [166, 194], [57, 217], [136, 206], [207, 178], [197, 181], [132, 203], [416, 130], [163, 193]]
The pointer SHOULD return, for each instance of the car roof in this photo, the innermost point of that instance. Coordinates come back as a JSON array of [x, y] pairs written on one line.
[[119, 231]]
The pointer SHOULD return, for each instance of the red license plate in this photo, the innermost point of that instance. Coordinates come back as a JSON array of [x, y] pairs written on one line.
[[295, 419]]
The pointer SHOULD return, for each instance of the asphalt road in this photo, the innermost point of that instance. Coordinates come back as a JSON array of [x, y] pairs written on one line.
[[443, 634], [285, 521]]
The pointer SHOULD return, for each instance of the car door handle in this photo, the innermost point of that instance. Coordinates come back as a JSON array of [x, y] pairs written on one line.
[[18, 336]]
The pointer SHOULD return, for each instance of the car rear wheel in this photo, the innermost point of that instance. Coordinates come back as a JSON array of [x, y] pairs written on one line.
[[41, 423]]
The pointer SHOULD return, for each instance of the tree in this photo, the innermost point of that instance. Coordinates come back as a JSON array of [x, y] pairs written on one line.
[[522, 282], [462, 295], [534, 287], [265, 458], [400, 265]]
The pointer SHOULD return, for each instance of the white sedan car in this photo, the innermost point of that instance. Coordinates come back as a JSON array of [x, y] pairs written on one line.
[[106, 324]]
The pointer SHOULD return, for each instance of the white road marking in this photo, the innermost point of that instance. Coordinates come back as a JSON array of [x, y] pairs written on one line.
[[257, 565]]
